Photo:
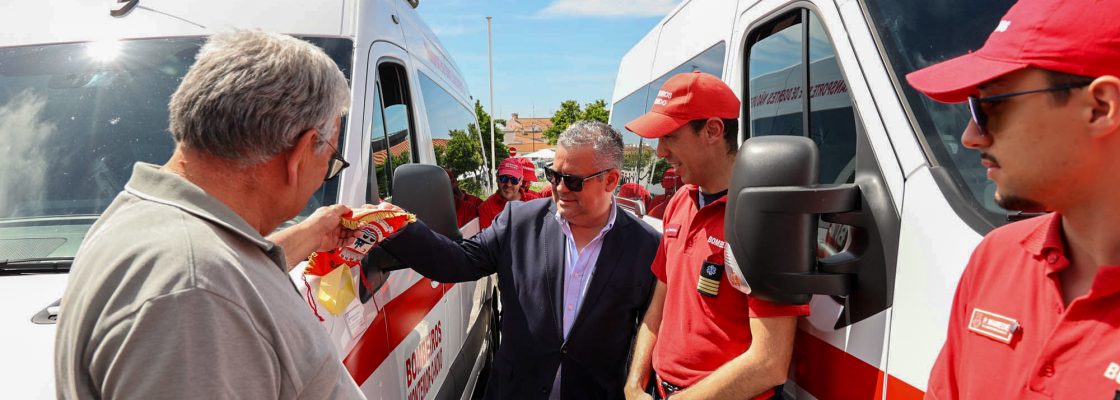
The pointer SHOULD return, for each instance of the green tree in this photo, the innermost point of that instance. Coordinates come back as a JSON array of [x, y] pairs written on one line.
[[568, 113], [596, 111], [396, 160], [484, 122], [571, 112], [462, 154]]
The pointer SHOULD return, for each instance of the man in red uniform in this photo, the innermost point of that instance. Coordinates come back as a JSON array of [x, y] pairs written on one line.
[[669, 182], [510, 173], [466, 204], [636, 192], [1037, 310], [703, 338]]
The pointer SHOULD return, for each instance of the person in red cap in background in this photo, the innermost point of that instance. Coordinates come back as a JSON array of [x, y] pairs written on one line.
[[635, 191], [510, 180], [703, 337], [1039, 302], [528, 175], [466, 204], [669, 182]]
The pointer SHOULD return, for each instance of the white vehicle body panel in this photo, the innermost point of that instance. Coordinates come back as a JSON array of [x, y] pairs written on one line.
[[380, 30]]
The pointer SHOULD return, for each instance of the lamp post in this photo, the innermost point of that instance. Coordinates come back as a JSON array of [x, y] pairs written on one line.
[[493, 151]]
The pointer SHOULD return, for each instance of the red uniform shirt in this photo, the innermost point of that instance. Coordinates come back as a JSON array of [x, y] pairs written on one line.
[[466, 208], [700, 333], [493, 206], [1011, 337]]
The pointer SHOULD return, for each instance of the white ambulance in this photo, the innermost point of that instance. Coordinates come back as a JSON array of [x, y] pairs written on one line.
[[858, 197], [84, 87]]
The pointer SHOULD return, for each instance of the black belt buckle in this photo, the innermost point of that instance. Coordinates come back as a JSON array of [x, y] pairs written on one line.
[[670, 388]]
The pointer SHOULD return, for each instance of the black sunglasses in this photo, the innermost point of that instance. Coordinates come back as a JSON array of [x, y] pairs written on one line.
[[512, 180], [981, 118], [573, 182], [336, 164]]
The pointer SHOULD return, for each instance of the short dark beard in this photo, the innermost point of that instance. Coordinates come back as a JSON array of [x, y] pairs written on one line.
[[1016, 203]]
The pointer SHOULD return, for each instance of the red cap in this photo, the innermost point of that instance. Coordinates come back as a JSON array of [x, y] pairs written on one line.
[[685, 97], [633, 190], [1076, 37], [511, 167], [670, 180], [528, 170]]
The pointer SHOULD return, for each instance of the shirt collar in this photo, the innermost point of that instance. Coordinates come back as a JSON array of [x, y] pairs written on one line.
[[610, 220], [694, 195], [1046, 235], [151, 183]]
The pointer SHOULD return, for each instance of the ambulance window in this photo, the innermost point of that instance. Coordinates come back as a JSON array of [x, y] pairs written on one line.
[[394, 146], [640, 162], [832, 123], [455, 136], [377, 135], [777, 88], [776, 78]]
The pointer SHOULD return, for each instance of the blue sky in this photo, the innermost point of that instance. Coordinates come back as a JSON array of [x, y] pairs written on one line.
[[545, 51]]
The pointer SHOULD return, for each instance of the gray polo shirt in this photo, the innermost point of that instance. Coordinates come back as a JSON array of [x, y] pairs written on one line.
[[173, 295]]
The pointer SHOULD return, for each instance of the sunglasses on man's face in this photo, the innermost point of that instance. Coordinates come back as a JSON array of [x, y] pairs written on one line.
[[572, 182], [336, 164], [512, 180], [976, 104]]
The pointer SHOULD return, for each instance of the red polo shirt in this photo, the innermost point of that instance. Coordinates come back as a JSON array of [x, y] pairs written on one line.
[[1011, 337], [700, 333], [493, 206], [466, 208]]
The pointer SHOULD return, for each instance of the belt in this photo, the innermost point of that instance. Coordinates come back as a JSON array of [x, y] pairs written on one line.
[[667, 389]]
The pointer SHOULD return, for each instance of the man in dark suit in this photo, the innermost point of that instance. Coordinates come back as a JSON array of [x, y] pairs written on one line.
[[573, 271]]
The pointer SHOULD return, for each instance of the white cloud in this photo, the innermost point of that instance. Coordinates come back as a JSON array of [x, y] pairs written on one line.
[[608, 8]]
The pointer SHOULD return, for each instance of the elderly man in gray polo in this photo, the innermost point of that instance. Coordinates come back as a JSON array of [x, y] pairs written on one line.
[[176, 293]]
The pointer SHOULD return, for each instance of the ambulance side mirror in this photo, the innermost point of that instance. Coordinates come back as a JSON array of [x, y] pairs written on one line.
[[424, 190], [773, 205]]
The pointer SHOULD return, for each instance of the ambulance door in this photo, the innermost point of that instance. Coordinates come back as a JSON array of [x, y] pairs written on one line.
[[799, 77], [455, 148], [407, 301]]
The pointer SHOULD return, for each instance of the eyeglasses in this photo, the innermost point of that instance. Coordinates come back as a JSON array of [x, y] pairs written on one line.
[[512, 180], [573, 182], [336, 163], [981, 118]]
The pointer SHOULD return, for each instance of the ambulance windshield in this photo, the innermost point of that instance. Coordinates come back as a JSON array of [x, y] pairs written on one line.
[[915, 34], [75, 117]]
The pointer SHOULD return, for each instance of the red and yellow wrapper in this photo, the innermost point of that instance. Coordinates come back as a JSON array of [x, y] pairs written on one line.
[[336, 289]]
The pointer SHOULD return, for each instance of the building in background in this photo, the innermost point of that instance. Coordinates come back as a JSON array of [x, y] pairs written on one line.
[[526, 134]]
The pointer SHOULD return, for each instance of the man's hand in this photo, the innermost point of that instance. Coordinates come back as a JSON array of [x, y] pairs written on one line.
[[382, 206], [633, 393], [319, 232]]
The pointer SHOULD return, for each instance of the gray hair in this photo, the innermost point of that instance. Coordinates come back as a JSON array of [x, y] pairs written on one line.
[[250, 94], [606, 141]]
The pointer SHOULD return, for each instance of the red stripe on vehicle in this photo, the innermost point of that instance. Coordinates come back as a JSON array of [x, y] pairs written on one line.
[[831, 373], [406, 310]]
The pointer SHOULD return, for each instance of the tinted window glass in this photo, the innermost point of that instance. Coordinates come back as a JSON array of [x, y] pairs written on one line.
[[777, 78], [832, 123], [917, 34], [640, 161], [777, 87], [394, 148], [77, 116], [455, 136]]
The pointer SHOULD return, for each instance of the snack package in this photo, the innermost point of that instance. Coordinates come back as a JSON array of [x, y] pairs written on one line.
[[336, 289]]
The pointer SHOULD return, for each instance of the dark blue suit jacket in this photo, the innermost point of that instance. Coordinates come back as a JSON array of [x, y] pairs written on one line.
[[525, 247]]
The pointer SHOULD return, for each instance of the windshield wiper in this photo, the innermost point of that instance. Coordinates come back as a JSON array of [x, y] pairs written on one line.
[[36, 265]]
